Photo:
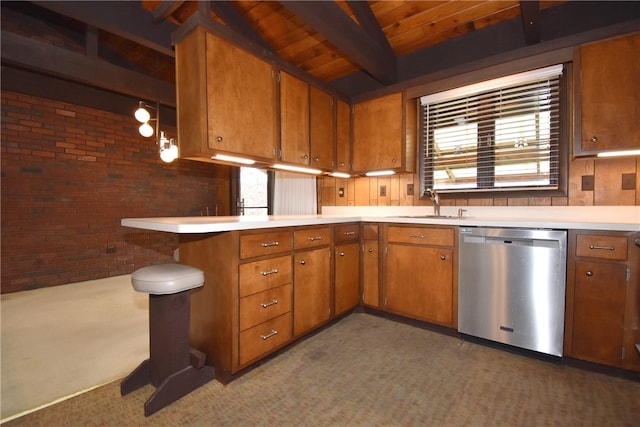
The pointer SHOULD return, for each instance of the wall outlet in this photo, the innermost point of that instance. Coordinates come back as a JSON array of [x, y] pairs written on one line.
[[628, 181], [587, 182], [341, 192], [383, 190], [409, 189]]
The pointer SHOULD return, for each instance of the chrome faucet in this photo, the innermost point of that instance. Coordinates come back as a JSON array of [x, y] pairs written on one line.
[[435, 199]]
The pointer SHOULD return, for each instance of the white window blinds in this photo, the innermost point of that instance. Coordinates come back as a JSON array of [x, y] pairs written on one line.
[[493, 135]]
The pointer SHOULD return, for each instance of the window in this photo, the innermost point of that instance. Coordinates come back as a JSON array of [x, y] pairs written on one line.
[[499, 135], [254, 192]]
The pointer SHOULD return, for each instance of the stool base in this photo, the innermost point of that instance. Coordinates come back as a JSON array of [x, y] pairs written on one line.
[[173, 387]]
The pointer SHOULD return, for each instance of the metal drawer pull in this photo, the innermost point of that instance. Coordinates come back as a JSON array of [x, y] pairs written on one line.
[[266, 273], [589, 273], [267, 304], [269, 335], [266, 245], [302, 262], [606, 248], [443, 257], [370, 250], [349, 233], [417, 236], [314, 238], [341, 253]]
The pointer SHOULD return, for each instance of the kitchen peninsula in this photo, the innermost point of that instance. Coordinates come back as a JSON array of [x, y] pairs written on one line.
[[272, 280]]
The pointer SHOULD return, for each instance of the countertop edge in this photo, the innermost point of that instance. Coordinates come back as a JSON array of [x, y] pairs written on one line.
[[198, 225]]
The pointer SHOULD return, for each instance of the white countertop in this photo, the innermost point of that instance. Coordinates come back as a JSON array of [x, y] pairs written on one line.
[[613, 218]]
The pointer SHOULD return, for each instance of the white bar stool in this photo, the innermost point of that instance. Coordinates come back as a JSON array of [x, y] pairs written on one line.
[[173, 367]]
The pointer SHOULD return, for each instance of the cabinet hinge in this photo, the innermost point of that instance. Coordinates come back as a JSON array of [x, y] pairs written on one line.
[[622, 353], [280, 153], [628, 274], [278, 76]]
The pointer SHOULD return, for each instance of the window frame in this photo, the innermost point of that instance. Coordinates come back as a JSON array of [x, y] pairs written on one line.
[[469, 77]]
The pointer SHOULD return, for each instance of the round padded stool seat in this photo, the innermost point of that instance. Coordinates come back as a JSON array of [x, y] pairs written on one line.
[[166, 279]]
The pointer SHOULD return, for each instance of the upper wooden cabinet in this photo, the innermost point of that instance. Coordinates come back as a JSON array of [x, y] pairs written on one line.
[[226, 100], [610, 95], [322, 129], [343, 137], [384, 134], [306, 124], [294, 120]]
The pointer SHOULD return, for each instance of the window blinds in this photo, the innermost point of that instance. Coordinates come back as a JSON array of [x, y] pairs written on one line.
[[499, 134]]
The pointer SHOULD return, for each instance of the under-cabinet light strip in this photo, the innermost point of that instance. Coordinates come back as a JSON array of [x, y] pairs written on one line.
[[619, 153]]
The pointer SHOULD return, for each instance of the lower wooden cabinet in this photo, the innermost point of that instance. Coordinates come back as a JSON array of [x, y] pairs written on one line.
[[346, 268], [419, 274], [603, 298], [312, 289]]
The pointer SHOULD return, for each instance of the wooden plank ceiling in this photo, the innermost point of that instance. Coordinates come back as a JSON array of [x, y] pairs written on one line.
[[330, 40], [348, 47]]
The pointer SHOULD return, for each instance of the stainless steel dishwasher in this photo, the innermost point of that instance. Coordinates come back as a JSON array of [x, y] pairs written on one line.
[[511, 286]]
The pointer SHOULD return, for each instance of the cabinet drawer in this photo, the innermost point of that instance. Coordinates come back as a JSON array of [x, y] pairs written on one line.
[[421, 235], [311, 238], [263, 306], [253, 245], [265, 337], [347, 233], [604, 247], [262, 275]]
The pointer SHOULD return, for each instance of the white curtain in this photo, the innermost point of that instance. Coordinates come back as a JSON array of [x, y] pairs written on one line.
[[294, 194]]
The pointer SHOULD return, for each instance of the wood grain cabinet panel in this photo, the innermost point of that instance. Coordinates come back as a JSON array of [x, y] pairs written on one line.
[[322, 128], [602, 323], [610, 94], [419, 276], [294, 120], [312, 289], [347, 277], [217, 85], [343, 137]]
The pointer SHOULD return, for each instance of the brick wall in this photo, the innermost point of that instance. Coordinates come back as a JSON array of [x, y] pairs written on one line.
[[69, 174]]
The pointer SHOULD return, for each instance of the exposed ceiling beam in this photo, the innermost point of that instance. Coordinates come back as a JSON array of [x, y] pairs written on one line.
[[233, 19], [50, 60], [530, 13], [166, 9], [339, 29], [123, 18], [369, 23]]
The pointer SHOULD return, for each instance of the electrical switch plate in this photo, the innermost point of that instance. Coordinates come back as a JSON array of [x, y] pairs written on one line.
[[628, 181], [587, 182], [383, 190], [341, 192], [409, 189]]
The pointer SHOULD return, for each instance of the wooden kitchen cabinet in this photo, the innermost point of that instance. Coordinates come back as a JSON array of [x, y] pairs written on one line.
[[346, 267], [322, 128], [603, 298], [312, 279], [384, 134], [419, 273], [294, 120], [343, 137], [370, 265], [226, 100], [610, 95]]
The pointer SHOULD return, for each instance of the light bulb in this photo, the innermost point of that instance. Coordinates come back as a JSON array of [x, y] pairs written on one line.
[[168, 155], [142, 115], [145, 130]]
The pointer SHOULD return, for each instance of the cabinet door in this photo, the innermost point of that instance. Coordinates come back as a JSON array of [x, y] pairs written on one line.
[[312, 293], [599, 312], [419, 282], [343, 136], [347, 277], [294, 120], [370, 283], [241, 101], [377, 134], [610, 90], [322, 129]]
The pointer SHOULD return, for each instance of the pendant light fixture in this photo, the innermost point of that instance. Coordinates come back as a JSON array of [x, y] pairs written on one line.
[[168, 146]]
